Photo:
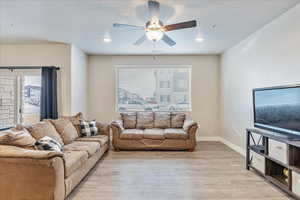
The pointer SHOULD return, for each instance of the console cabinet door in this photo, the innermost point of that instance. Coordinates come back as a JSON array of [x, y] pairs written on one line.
[[278, 151], [296, 183], [257, 161]]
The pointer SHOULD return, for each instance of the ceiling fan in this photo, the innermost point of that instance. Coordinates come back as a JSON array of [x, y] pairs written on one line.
[[154, 28]]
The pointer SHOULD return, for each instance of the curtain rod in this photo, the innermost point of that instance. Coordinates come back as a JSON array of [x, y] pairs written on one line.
[[27, 67]]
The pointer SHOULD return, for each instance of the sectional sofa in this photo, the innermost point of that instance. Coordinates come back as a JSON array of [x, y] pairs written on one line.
[[30, 174]]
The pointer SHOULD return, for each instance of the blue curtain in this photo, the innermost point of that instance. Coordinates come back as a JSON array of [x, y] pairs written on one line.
[[49, 93]]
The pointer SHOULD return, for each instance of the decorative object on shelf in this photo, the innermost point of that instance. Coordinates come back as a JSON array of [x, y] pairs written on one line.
[[285, 172], [154, 28]]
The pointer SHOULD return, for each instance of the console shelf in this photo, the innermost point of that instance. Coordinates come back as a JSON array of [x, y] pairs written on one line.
[[276, 157]]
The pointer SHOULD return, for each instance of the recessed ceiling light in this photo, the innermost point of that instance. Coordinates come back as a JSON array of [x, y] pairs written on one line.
[[199, 39], [107, 40]]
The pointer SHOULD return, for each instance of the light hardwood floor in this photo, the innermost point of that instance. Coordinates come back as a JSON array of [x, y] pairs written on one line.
[[212, 172]]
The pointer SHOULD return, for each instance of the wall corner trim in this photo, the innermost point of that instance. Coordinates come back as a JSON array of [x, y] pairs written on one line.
[[234, 147]]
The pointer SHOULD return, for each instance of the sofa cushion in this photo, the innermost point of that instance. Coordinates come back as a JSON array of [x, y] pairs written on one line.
[[73, 161], [177, 120], [135, 134], [17, 137], [175, 133], [145, 120], [155, 133], [42, 129], [89, 147], [101, 139], [75, 121], [162, 120], [129, 120], [66, 130]]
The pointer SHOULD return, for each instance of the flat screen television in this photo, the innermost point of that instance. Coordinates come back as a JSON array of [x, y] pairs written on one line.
[[277, 109]]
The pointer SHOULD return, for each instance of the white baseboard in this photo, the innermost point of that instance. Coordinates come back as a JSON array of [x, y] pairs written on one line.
[[205, 139], [233, 147]]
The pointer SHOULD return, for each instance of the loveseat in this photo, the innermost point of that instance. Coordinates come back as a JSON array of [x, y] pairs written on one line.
[[30, 174], [154, 131]]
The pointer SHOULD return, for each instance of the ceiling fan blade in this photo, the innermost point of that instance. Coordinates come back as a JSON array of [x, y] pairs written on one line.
[[168, 40], [153, 9], [127, 26], [182, 25], [141, 40]]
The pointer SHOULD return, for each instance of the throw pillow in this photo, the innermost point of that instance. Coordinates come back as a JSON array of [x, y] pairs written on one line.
[[129, 120], [17, 137], [48, 144], [145, 120], [177, 120], [66, 130], [75, 121], [88, 128], [162, 120], [42, 129]]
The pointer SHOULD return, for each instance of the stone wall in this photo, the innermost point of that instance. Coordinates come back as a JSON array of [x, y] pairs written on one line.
[[7, 101]]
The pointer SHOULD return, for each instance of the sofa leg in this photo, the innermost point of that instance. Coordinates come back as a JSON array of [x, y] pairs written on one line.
[[191, 150], [117, 149]]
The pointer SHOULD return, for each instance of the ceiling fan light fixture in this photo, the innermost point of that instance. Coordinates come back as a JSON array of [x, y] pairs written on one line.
[[199, 39], [154, 30], [106, 40], [154, 35]]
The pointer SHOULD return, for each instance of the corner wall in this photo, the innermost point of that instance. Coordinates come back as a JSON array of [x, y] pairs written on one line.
[[79, 80], [269, 57]]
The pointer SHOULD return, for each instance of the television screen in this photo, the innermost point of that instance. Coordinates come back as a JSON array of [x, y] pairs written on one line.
[[277, 109]]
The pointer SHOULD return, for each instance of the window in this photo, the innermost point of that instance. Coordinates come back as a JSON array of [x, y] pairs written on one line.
[[164, 84], [153, 88], [165, 98], [19, 97]]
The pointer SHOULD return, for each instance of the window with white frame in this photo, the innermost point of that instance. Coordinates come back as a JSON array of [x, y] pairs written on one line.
[[19, 97], [153, 88]]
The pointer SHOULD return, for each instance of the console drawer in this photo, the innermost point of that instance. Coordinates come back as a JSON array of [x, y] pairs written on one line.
[[257, 161], [296, 183], [278, 151]]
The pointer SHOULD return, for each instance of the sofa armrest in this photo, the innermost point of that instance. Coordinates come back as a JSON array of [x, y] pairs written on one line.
[[188, 123], [31, 175], [118, 124], [117, 128], [7, 151], [190, 127]]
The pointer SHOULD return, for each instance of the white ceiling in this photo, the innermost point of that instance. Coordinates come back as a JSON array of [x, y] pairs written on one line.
[[85, 23]]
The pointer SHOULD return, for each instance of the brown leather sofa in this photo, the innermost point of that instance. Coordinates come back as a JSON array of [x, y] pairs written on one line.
[[154, 131], [48, 175]]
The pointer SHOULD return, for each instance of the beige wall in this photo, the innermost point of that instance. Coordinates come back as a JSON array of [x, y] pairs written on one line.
[[269, 57], [78, 81], [205, 86], [43, 55]]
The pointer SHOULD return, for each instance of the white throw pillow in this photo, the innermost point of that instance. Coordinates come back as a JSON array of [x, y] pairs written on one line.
[[48, 144]]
